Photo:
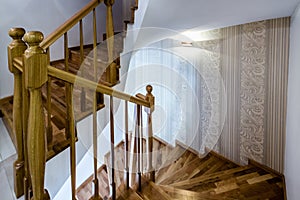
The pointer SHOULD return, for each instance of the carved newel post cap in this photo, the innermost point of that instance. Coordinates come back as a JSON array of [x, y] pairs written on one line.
[[150, 97], [16, 33], [149, 89], [33, 38]]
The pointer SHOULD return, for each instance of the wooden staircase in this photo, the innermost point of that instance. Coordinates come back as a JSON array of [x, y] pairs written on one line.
[[47, 102], [182, 174], [82, 99], [80, 63]]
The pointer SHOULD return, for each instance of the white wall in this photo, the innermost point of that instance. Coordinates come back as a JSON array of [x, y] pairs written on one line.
[[31, 15], [292, 159]]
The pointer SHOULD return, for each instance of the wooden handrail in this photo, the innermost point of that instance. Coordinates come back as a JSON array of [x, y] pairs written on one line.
[[71, 78], [61, 30], [29, 61]]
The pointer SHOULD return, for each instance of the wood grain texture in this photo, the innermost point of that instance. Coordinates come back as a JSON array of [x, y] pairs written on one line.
[[218, 178], [35, 66], [16, 49]]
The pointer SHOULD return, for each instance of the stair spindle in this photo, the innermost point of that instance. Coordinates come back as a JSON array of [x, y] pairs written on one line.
[[36, 75], [141, 141], [112, 152], [111, 71], [66, 55], [139, 174], [126, 147], [151, 99], [95, 94], [95, 150], [83, 93], [16, 49]]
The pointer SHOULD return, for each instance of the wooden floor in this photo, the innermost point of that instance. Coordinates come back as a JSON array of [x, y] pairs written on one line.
[[184, 175]]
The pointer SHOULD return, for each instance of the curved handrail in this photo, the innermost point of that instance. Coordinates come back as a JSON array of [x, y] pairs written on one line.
[[61, 30]]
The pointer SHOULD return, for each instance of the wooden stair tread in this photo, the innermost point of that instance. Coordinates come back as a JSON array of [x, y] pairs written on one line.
[[171, 157], [177, 193], [190, 165], [191, 177], [127, 194], [185, 184], [84, 191], [160, 153], [153, 191], [6, 110], [233, 183], [181, 173]]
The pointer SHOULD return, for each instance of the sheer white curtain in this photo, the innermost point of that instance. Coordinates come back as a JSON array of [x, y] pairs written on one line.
[[186, 89]]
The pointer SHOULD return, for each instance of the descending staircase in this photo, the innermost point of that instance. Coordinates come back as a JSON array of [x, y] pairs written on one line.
[[182, 174], [83, 100], [81, 65], [63, 102]]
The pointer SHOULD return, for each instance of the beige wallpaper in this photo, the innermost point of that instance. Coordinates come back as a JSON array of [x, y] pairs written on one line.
[[253, 62]]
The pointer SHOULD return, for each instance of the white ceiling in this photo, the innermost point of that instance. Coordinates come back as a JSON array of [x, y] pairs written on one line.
[[209, 14]]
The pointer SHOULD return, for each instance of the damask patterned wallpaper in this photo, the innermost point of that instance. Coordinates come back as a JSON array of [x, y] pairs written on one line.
[[253, 61]]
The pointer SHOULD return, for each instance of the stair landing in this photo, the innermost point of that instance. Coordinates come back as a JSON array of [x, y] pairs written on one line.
[[191, 177]]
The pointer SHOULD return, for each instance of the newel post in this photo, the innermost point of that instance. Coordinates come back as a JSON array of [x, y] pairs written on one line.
[[16, 49], [151, 99], [35, 67]]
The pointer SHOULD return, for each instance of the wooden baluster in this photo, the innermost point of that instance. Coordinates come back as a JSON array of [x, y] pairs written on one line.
[[36, 75], [99, 96], [112, 149], [111, 71], [126, 147], [151, 99], [83, 93], [96, 195], [71, 130], [139, 175], [16, 49], [70, 121], [141, 140], [66, 55]]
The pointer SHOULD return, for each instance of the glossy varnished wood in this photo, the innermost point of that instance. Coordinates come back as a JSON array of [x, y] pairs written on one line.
[[189, 176]]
